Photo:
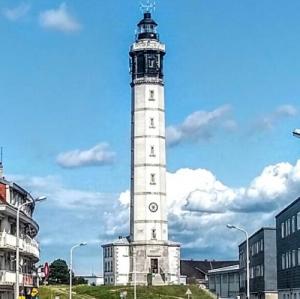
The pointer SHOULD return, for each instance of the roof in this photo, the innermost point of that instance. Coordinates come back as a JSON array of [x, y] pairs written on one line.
[[289, 206], [198, 269], [16, 187], [257, 232], [232, 268], [120, 241]]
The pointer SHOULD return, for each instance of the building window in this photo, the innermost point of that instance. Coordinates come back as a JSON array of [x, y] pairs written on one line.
[[293, 258], [282, 230], [152, 152], [262, 245], [298, 221], [152, 179], [261, 270], [299, 258], [288, 227], [154, 233], [152, 126], [293, 224], [151, 95], [283, 261]]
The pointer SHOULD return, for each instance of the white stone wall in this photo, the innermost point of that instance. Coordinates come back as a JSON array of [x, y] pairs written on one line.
[[148, 164], [174, 264], [121, 265]]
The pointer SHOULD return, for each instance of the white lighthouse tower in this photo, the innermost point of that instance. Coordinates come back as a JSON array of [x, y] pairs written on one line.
[[152, 258]]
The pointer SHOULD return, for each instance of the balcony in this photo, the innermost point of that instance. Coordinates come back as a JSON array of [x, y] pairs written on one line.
[[9, 278], [27, 245]]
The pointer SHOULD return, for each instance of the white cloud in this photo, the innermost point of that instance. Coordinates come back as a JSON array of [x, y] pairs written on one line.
[[98, 155], [269, 121], [59, 19], [200, 206], [16, 13], [200, 125]]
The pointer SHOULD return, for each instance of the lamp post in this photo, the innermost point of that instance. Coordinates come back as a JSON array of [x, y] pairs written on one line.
[[17, 285], [71, 265], [296, 133], [230, 226]]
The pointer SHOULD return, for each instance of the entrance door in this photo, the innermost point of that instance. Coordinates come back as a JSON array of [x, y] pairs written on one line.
[[154, 265]]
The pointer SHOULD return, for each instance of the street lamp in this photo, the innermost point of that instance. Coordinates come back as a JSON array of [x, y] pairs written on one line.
[[230, 226], [296, 133], [39, 199], [71, 265]]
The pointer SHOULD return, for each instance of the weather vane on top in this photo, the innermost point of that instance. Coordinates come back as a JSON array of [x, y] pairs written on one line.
[[148, 7]]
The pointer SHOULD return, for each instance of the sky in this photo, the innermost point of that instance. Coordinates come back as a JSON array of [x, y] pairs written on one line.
[[232, 100]]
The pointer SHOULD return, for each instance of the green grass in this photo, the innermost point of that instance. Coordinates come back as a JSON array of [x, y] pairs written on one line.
[[109, 292]]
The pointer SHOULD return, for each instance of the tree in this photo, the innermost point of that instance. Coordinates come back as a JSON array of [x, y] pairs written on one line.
[[59, 272]]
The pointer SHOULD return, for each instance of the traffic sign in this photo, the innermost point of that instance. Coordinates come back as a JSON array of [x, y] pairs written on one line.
[[46, 270], [188, 293]]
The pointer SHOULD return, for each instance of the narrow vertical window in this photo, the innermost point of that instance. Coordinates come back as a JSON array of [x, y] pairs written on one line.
[[154, 233], [151, 95], [293, 224], [293, 258], [283, 261], [152, 126], [298, 256], [282, 230], [152, 179], [152, 151], [298, 221]]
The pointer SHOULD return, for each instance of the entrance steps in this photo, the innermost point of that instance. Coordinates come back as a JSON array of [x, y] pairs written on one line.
[[157, 280]]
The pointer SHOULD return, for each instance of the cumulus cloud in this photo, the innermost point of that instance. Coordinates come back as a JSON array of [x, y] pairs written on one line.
[[269, 121], [98, 155], [16, 13], [59, 19], [200, 125], [200, 206]]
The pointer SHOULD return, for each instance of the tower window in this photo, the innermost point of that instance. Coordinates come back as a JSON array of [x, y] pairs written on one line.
[[152, 126], [152, 179], [151, 95], [154, 233], [152, 152]]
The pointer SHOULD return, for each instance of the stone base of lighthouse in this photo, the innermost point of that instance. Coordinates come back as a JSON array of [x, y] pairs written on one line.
[[154, 263]]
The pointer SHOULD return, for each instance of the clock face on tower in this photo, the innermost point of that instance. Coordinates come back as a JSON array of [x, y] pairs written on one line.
[[153, 207]]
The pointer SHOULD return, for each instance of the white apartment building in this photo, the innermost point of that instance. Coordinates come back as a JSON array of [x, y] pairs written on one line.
[[11, 196]]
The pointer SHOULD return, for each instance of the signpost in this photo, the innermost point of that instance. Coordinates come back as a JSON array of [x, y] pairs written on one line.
[[46, 271], [188, 293]]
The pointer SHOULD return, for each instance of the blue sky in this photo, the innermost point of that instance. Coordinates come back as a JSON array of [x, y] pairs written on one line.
[[233, 96]]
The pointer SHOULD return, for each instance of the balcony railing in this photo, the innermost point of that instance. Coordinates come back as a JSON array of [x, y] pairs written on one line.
[[27, 245], [9, 278]]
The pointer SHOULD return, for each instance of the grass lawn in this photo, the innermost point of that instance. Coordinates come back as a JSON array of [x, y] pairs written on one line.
[[109, 292]]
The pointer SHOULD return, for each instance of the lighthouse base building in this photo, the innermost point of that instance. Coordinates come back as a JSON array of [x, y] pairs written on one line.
[[146, 256]]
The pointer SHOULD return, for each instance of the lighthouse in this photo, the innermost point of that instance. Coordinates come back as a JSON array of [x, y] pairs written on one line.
[[149, 255]]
